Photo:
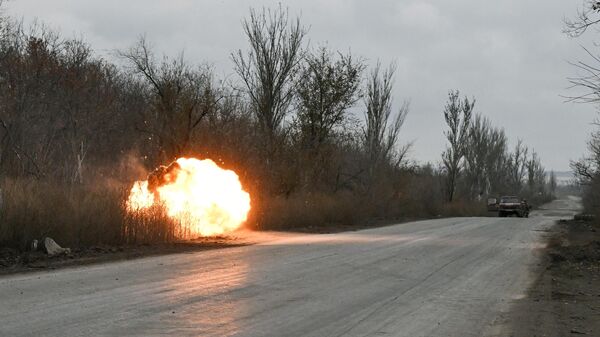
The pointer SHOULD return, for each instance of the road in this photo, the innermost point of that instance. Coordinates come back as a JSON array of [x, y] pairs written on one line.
[[443, 277]]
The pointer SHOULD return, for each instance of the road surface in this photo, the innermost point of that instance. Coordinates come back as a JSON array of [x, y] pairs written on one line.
[[444, 277]]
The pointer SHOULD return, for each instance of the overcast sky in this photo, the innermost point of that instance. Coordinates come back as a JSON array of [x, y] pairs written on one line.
[[510, 54]]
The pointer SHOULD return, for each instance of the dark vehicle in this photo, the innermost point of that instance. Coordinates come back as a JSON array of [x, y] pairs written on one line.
[[511, 205]]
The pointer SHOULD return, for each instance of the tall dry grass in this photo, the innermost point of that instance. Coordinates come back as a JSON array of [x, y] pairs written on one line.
[[305, 210], [464, 208], [76, 215]]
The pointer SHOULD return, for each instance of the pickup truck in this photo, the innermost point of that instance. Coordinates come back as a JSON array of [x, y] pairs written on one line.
[[511, 205]]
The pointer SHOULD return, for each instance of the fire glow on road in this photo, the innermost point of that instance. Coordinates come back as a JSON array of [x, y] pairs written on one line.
[[204, 198]]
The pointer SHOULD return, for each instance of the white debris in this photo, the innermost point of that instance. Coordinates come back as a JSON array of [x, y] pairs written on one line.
[[52, 248]]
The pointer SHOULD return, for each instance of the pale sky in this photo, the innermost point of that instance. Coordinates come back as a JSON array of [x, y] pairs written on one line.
[[510, 55]]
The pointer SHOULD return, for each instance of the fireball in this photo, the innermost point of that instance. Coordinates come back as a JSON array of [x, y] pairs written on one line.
[[203, 198]]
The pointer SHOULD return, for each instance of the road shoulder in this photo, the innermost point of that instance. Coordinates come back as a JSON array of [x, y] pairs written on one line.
[[12, 261], [564, 300]]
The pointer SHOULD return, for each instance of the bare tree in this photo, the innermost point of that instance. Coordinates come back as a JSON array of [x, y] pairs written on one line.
[[268, 70], [476, 155], [496, 161], [536, 175], [177, 92], [57, 101], [589, 77], [587, 173], [587, 169], [516, 166], [485, 163], [380, 134], [587, 16], [457, 114], [326, 88]]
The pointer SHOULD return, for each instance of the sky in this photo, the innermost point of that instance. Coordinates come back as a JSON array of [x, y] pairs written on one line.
[[511, 55]]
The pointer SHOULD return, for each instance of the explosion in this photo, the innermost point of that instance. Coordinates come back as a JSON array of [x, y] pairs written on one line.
[[202, 197]]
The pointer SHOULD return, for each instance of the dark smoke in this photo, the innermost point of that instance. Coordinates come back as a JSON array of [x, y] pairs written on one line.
[[162, 175]]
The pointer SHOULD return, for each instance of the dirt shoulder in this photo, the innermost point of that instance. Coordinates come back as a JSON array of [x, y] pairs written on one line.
[[565, 298], [12, 261]]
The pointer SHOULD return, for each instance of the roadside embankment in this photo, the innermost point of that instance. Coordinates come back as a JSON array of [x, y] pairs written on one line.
[[13, 261], [565, 298]]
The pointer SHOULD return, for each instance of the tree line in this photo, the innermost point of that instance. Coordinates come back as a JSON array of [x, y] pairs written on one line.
[[587, 169], [73, 124], [478, 161]]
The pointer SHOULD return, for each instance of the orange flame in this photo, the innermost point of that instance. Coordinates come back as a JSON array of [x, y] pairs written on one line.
[[204, 198]]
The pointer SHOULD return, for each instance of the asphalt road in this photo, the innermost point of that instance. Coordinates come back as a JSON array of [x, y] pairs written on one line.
[[445, 277]]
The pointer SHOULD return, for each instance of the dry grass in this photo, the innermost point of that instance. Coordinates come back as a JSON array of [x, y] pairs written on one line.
[[319, 209], [308, 210], [82, 215], [464, 208], [72, 215], [153, 225], [75, 215]]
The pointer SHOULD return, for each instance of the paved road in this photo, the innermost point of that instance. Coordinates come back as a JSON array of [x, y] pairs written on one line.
[[446, 277]]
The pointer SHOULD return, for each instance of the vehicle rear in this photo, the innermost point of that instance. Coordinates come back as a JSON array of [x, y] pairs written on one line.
[[510, 205]]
